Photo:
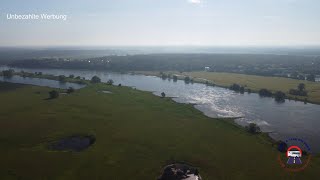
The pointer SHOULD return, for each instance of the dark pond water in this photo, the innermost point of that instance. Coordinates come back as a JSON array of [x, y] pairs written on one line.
[[285, 120], [41, 82]]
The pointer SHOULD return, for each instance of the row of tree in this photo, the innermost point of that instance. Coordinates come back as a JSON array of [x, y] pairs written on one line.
[[8, 73], [300, 91], [279, 96]]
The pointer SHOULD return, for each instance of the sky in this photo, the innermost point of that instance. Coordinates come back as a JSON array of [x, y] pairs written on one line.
[[162, 23]]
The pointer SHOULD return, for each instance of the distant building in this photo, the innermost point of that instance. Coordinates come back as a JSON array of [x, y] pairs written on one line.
[[207, 68], [317, 78]]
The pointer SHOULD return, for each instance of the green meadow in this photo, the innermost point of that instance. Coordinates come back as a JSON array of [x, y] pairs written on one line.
[[137, 134]]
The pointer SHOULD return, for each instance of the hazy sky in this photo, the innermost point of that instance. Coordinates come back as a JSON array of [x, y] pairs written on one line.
[[163, 22]]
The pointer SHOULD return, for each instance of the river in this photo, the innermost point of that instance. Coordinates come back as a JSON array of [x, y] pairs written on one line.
[[283, 120]]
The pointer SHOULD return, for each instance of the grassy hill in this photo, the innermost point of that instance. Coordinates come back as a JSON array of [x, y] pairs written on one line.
[[136, 134]]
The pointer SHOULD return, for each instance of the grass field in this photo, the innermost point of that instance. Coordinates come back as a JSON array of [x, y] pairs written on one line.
[[136, 134], [255, 83]]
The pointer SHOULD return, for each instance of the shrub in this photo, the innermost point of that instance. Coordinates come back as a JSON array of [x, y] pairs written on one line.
[[53, 94], [70, 90], [301, 87], [311, 77], [163, 94], [235, 87], [265, 93], [95, 79], [62, 78], [187, 79], [280, 96], [8, 73], [297, 92], [253, 128], [164, 76], [110, 82], [175, 78], [241, 89]]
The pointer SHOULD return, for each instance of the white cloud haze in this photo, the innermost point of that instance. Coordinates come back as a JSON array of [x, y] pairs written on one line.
[[195, 1]]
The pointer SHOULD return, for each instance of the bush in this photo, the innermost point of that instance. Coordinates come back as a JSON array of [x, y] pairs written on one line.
[[71, 76], [119, 85], [297, 92], [95, 79], [175, 78], [235, 87], [301, 87], [187, 79], [253, 128], [311, 77], [163, 94], [8, 73], [164, 76], [241, 89], [62, 78], [110, 82], [280, 96], [265, 93], [53, 94], [70, 90]]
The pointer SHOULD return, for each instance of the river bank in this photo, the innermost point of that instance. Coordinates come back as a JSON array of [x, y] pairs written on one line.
[[254, 83]]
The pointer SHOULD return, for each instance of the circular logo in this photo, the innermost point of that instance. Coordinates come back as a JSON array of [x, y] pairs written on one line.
[[294, 154]]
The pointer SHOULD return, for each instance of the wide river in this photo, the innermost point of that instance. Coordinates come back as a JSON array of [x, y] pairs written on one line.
[[283, 120]]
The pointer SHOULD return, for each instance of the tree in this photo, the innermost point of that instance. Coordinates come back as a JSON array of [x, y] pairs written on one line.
[[163, 94], [110, 82], [253, 128], [311, 77], [265, 93], [235, 87], [301, 87], [175, 78], [280, 96], [8, 73], [62, 78], [119, 85], [71, 76], [187, 79], [70, 90], [301, 77], [38, 73], [53, 94], [164, 76], [241, 89], [95, 79], [297, 92]]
